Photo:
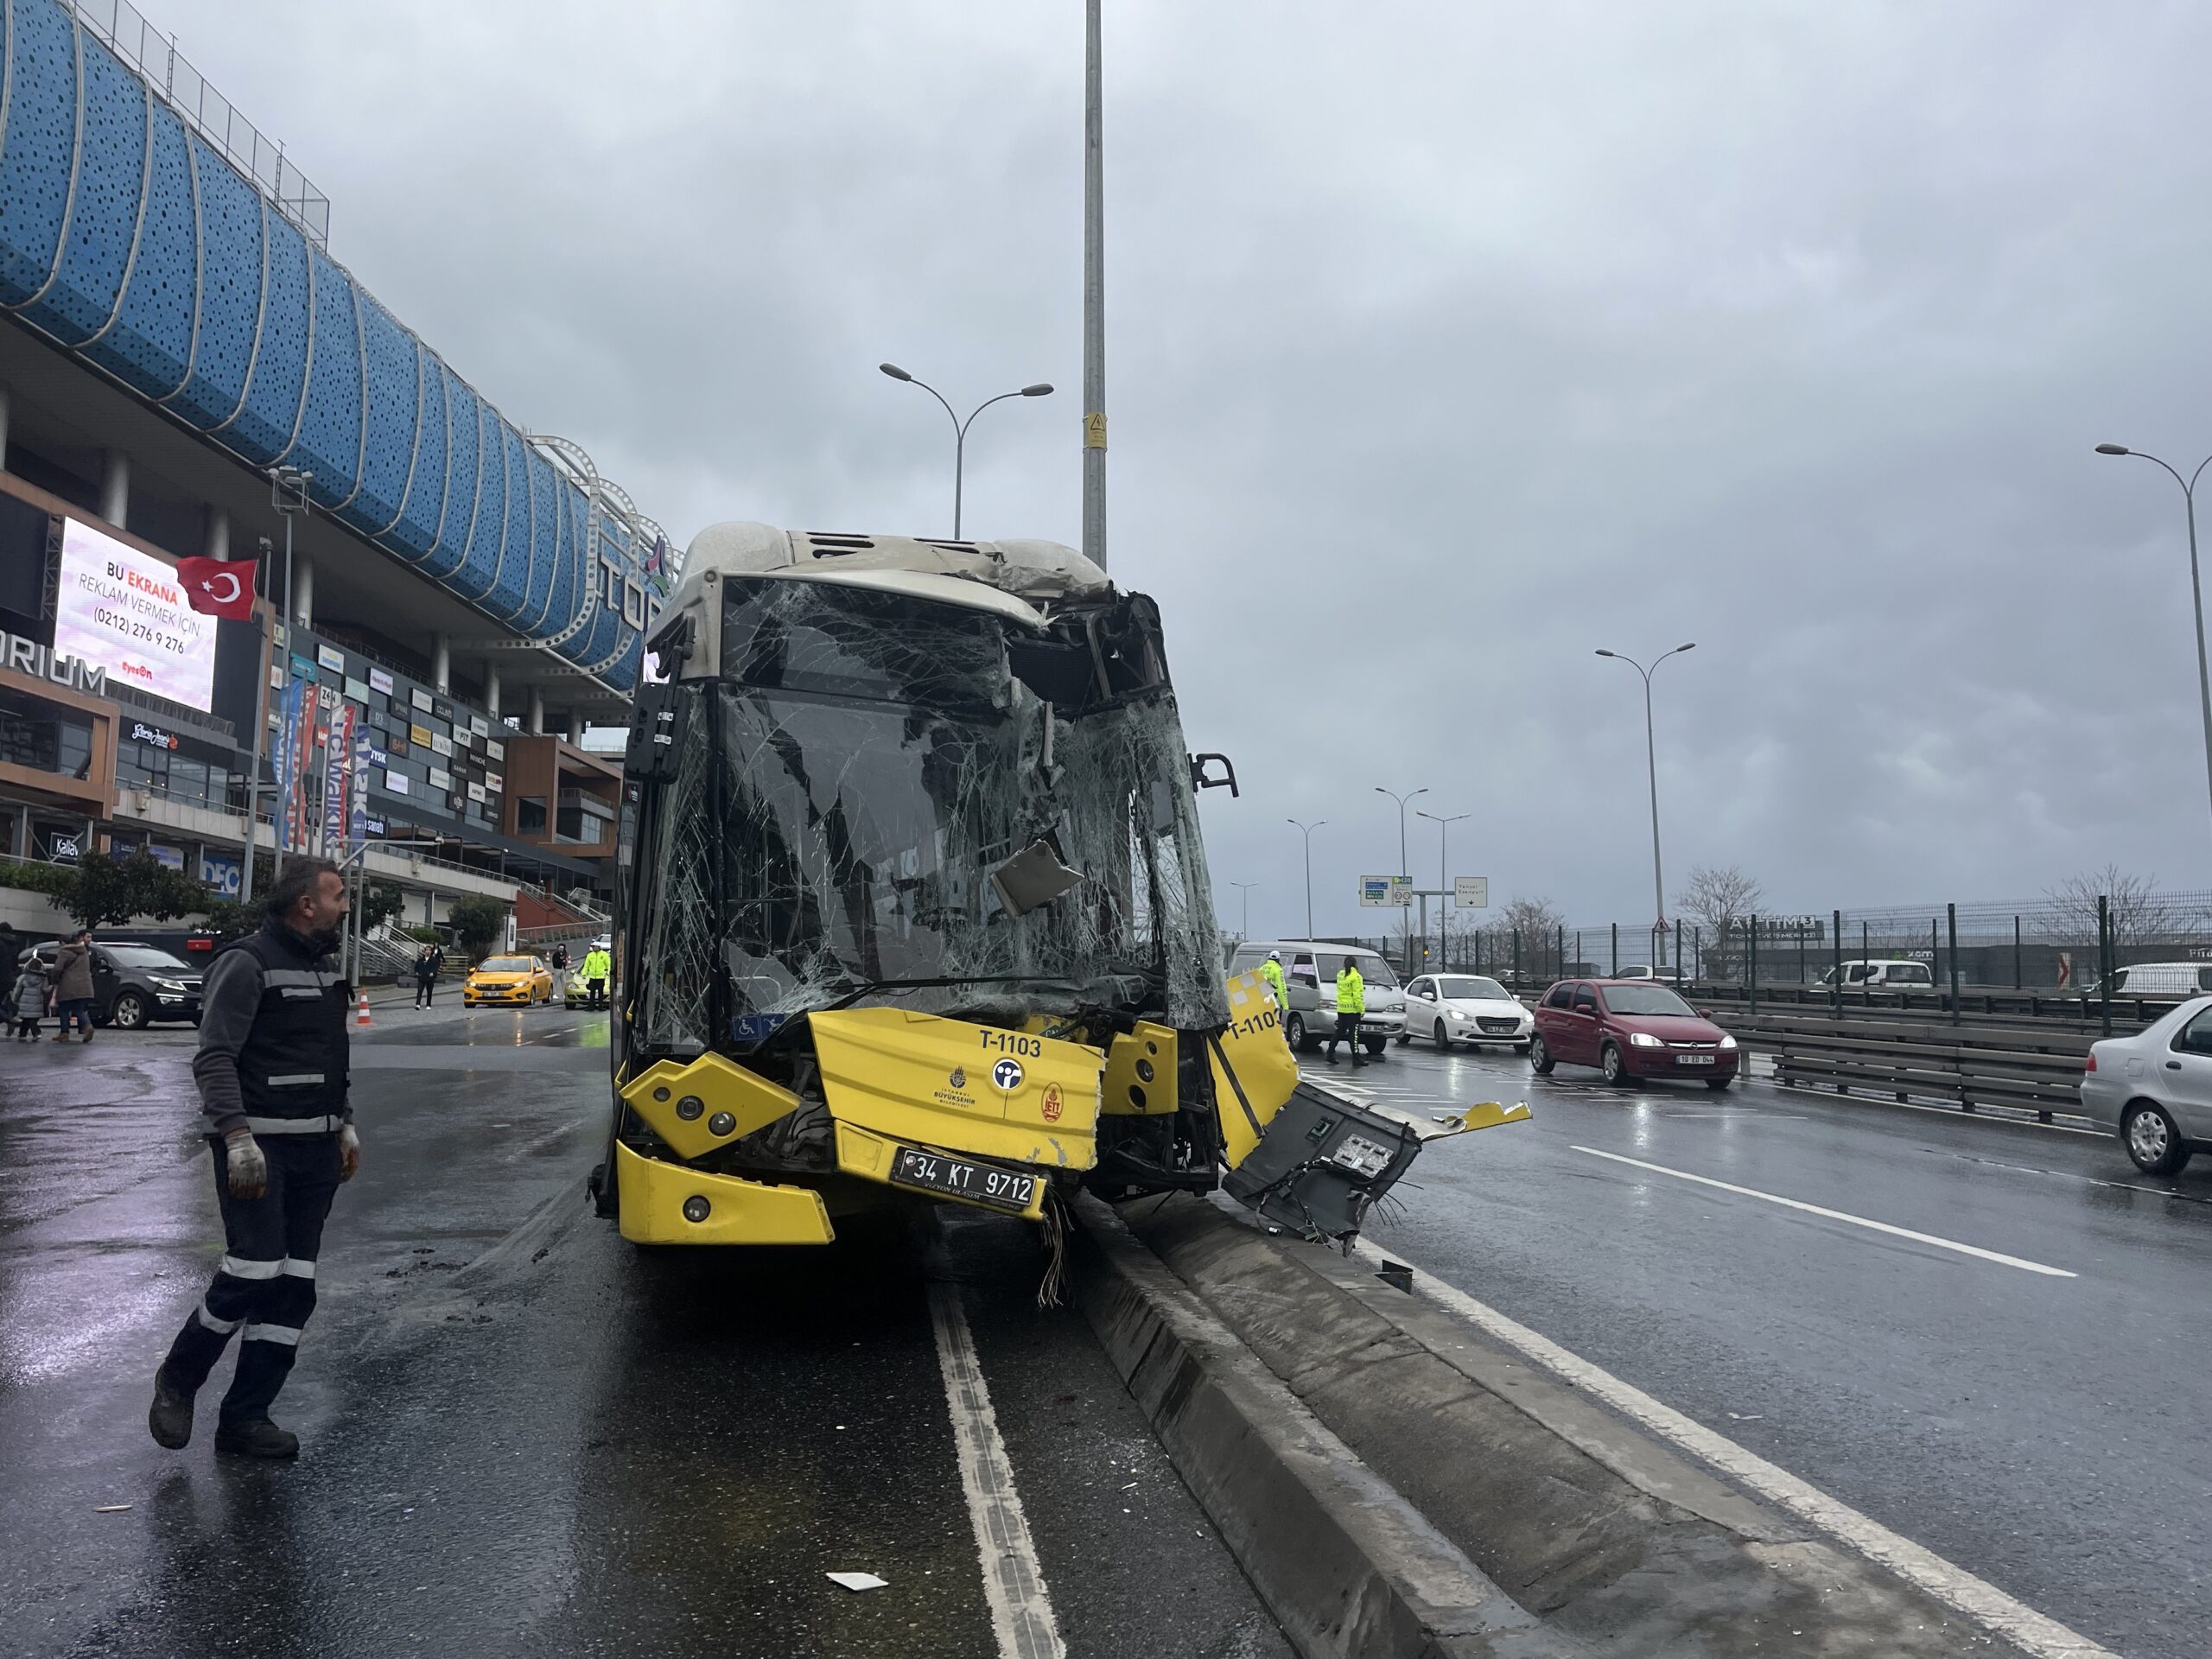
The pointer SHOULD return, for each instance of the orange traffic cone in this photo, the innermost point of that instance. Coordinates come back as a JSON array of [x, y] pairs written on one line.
[[362, 1018]]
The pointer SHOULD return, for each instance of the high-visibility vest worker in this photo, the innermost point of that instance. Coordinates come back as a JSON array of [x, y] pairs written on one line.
[[1351, 990], [1271, 972], [596, 964]]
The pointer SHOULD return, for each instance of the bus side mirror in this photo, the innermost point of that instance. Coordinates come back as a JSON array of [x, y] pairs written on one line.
[[1202, 779], [657, 725]]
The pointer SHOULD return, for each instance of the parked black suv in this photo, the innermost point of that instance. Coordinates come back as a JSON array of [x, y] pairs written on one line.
[[135, 984]]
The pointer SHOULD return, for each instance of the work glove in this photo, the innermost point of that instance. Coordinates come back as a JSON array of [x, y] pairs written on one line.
[[349, 1153], [247, 1164]]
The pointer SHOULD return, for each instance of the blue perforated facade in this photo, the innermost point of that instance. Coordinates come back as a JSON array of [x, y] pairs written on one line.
[[127, 240]]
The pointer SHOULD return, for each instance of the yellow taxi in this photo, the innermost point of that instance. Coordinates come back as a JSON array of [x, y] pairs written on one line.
[[508, 983]]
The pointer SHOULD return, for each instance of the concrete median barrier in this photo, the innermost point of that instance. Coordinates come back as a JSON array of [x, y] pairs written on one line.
[[1393, 1483]]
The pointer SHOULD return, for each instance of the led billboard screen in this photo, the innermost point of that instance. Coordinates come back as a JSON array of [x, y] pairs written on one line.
[[126, 611]]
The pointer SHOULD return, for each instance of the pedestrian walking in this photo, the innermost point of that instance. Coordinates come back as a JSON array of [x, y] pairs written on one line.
[[73, 985], [32, 987], [271, 1070], [11, 951], [560, 958], [425, 975], [1351, 1002], [596, 970]]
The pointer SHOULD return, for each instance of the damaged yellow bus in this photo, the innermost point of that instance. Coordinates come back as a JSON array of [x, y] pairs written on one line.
[[914, 909]]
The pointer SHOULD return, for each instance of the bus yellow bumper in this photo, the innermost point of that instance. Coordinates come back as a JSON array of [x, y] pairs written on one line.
[[653, 1197]]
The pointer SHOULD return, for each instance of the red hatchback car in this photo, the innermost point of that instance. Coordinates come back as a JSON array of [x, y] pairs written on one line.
[[1630, 1029]]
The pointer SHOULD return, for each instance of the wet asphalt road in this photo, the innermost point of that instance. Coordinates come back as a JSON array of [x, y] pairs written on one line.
[[521, 1436], [2053, 1435]]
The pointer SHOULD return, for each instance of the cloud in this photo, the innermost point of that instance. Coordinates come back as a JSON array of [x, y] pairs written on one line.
[[1445, 345]]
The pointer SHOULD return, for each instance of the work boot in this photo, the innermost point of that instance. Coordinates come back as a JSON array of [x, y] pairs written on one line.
[[169, 1418], [256, 1437]]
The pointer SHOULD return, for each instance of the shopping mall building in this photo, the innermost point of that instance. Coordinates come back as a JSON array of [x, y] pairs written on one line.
[[465, 596]]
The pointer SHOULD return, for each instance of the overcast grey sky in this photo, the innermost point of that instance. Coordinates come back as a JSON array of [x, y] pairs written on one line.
[[1446, 342]]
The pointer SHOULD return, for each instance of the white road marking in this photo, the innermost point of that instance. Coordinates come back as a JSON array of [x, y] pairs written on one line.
[[1976, 1250], [1987, 1606], [1013, 1582]]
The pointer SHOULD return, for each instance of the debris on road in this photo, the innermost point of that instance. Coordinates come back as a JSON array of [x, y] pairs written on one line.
[[858, 1580], [109, 1508]]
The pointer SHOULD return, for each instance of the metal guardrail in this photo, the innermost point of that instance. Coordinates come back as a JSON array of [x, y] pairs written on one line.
[[1920, 1061]]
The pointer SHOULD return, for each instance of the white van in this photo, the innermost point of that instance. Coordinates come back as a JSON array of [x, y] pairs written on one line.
[[1309, 974], [2169, 979], [1887, 974]]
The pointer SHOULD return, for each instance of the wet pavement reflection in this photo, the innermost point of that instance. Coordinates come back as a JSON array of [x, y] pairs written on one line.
[[522, 1435]]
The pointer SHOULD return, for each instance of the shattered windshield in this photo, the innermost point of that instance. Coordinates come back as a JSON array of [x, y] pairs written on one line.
[[864, 794]]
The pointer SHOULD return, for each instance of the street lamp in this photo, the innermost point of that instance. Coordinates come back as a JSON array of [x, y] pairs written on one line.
[[1402, 870], [1651, 763], [1042, 389], [1309, 829], [1443, 879], [2195, 586], [1246, 887]]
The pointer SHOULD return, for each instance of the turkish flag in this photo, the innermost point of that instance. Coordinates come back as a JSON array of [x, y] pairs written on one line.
[[218, 587]]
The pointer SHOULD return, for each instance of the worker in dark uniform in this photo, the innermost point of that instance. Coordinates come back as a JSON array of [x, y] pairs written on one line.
[[271, 1070]]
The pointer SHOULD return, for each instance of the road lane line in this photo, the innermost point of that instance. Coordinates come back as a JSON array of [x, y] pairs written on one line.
[[1976, 1251], [2034, 1633], [1014, 1581]]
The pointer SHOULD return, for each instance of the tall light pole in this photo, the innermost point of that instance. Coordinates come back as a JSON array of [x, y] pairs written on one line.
[[1309, 829], [1094, 298], [1042, 389], [1246, 887], [1443, 876], [2196, 585], [1407, 920], [1651, 764]]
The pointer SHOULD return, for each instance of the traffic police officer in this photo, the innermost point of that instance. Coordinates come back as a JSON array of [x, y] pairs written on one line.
[[597, 967], [1271, 972], [1351, 1002], [271, 1070]]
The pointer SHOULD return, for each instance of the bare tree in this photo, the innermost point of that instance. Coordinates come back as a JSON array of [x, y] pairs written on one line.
[[1719, 902], [1537, 922], [2138, 914]]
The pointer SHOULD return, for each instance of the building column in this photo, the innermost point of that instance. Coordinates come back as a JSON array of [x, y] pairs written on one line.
[[303, 590], [217, 544], [115, 489], [442, 663], [492, 690], [576, 729], [534, 722]]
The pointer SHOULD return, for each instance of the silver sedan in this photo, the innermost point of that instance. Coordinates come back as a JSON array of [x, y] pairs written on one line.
[[2154, 1089]]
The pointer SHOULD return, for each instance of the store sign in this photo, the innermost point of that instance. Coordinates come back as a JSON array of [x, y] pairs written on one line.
[[441, 746], [357, 691], [171, 858], [395, 783], [480, 726], [497, 751], [34, 661], [220, 874], [330, 656], [440, 779], [421, 699], [380, 681], [141, 733], [126, 611], [419, 734], [476, 792]]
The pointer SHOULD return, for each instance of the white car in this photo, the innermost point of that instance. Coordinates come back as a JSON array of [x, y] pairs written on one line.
[[2154, 1089], [1891, 973], [1448, 1008]]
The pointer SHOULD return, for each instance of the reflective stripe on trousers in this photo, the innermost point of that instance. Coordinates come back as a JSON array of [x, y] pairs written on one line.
[[265, 1285]]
